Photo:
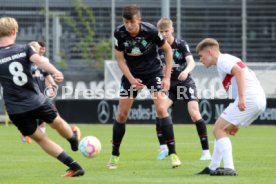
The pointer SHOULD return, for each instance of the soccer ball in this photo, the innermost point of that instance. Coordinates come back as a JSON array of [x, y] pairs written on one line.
[[90, 146]]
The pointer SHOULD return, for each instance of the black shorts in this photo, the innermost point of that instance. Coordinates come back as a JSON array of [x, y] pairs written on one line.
[[185, 90], [152, 82], [27, 122], [40, 121]]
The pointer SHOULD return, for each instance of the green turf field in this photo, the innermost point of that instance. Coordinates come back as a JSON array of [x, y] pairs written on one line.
[[254, 154]]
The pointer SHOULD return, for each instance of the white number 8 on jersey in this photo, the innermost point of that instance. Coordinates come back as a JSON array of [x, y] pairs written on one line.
[[19, 77]]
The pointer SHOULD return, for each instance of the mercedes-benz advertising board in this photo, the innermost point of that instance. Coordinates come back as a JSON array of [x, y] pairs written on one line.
[[143, 111]]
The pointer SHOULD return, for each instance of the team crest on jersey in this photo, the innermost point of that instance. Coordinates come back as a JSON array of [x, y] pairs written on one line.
[[144, 43], [136, 51], [177, 55]]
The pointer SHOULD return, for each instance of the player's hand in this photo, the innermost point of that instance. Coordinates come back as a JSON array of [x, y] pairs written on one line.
[[233, 131], [241, 104], [137, 84], [183, 76], [165, 84], [58, 77]]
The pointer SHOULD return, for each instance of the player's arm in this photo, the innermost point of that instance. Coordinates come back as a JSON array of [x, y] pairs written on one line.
[[190, 66], [50, 82], [43, 64], [168, 62], [136, 83], [239, 74]]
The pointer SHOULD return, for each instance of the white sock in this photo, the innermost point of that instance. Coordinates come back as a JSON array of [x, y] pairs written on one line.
[[43, 129], [163, 147], [225, 148], [216, 157], [205, 152]]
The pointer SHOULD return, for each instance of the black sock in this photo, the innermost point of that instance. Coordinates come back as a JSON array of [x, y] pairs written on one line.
[[68, 161], [159, 132], [74, 142], [202, 133], [119, 130], [73, 138], [167, 130]]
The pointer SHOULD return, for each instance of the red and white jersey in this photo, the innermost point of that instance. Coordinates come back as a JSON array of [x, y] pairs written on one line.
[[225, 64]]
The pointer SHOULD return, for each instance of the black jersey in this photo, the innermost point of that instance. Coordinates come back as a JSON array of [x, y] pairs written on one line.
[[140, 52], [20, 91], [180, 51]]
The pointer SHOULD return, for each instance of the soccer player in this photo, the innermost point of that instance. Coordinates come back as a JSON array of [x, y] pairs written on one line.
[[182, 86], [44, 80], [49, 82], [249, 102], [24, 101], [136, 50]]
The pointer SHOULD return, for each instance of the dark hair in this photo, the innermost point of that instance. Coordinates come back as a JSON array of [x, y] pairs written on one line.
[[130, 10], [42, 43]]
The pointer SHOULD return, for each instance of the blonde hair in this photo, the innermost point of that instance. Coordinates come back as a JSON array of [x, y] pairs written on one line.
[[7, 26], [207, 42], [164, 23], [35, 45]]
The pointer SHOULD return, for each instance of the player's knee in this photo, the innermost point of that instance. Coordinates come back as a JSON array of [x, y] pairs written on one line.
[[58, 123], [161, 111], [38, 136], [122, 116], [216, 131], [195, 116]]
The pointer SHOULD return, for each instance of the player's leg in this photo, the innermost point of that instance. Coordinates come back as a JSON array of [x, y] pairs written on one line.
[[127, 96], [119, 124], [27, 124], [56, 151], [223, 143], [166, 125], [42, 126], [119, 129], [163, 149], [188, 91], [228, 124], [49, 114], [222, 149], [193, 110], [222, 146], [215, 163], [172, 97], [66, 131]]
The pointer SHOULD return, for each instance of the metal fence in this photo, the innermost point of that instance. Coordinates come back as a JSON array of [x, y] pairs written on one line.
[[223, 20]]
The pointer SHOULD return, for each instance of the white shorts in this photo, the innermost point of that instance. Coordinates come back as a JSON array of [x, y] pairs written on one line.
[[255, 106]]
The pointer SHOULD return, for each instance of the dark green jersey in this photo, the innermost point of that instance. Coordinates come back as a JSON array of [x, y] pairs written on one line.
[[140, 52], [20, 91], [180, 51]]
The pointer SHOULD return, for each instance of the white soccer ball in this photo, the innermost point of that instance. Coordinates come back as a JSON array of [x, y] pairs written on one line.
[[90, 146]]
